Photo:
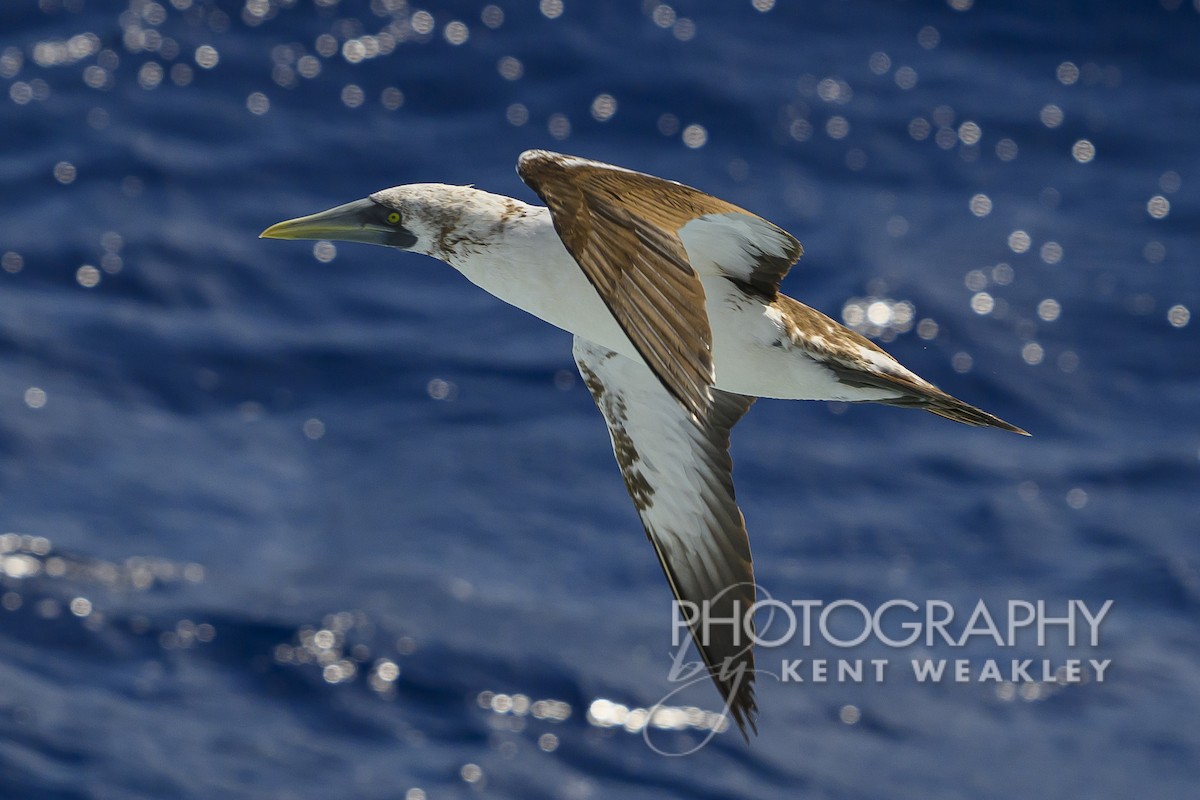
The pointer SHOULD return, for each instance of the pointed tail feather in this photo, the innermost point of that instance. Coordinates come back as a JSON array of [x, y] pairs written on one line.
[[945, 405], [917, 393], [970, 415]]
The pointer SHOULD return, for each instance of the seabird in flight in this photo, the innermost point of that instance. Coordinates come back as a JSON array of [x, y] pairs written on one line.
[[673, 298]]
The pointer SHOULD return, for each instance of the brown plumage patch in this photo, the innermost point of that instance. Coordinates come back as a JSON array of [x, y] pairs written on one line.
[[622, 229], [448, 236], [613, 409]]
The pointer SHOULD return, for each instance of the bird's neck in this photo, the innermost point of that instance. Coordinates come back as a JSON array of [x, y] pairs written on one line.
[[511, 250], [461, 222], [495, 241]]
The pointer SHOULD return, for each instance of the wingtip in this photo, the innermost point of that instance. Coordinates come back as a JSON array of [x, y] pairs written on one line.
[[747, 722], [531, 159], [528, 156], [740, 703]]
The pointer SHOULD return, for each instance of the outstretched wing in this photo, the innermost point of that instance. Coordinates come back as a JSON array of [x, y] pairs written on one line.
[[626, 231], [678, 472]]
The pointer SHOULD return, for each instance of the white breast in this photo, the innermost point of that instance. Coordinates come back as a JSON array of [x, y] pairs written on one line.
[[532, 270]]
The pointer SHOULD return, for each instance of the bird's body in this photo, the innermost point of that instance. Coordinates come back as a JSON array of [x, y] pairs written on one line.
[[673, 298], [511, 250]]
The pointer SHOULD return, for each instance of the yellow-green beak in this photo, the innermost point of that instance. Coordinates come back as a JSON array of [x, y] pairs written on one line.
[[361, 221]]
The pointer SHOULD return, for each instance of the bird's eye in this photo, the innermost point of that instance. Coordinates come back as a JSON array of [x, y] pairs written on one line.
[[393, 217]]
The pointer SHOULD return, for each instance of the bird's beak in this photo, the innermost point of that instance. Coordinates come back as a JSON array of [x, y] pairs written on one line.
[[361, 221], [343, 222]]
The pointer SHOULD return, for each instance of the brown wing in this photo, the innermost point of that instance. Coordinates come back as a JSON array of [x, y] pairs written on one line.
[[622, 228]]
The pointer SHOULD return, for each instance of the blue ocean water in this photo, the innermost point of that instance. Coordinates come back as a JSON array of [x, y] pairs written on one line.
[[296, 522]]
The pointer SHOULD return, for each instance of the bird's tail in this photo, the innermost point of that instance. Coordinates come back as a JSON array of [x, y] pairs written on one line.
[[944, 405], [917, 393]]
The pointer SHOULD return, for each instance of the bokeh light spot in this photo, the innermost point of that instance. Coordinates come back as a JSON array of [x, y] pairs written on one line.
[[920, 129], [510, 68], [352, 95], [684, 29], [492, 16], [1051, 252], [969, 133], [695, 136], [1049, 309], [314, 428], [35, 397], [258, 103], [391, 98], [87, 276], [422, 23], [1006, 150], [1158, 206], [324, 251], [1032, 353], [517, 114], [207, 56], [559, 126], [1019, 241], [150, 75], [1170, 181], [603, 107], [1051, 115], [456, 33], [1077, 498]]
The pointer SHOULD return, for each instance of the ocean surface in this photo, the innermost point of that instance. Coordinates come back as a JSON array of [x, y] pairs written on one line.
[[290, 521]]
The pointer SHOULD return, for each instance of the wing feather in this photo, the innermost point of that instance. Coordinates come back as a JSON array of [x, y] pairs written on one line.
[[641, 240], [679, 474]]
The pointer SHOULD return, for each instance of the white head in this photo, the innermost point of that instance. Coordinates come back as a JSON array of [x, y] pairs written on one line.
[[430, 218]]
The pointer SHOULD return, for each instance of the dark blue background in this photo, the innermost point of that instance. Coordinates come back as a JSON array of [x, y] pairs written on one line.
[[484, 542]]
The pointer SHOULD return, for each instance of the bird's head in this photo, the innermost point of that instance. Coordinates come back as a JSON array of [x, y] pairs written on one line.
[[415, 217]]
